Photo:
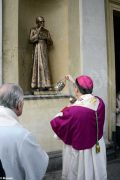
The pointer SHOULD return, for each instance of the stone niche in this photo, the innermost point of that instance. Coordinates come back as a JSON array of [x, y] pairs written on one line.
[[62, 20], [63, 24]]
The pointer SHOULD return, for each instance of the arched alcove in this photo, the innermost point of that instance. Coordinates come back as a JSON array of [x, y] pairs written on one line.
[[62, 21]]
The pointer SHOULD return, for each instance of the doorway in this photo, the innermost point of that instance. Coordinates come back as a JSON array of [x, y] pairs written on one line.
[[116, 23]]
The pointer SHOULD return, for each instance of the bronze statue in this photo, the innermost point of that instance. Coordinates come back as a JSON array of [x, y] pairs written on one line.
[[41, 40]]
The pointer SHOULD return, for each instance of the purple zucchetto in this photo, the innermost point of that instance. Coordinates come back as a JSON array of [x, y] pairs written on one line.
[[85, 82]]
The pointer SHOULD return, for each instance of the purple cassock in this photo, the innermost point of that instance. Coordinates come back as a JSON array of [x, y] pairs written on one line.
[[77, 126]]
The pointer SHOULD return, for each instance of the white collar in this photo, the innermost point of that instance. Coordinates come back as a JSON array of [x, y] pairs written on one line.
[[7, 117], [87, 100], [85, 97]]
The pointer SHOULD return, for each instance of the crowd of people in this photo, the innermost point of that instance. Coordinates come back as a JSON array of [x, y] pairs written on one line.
[[78, 125]]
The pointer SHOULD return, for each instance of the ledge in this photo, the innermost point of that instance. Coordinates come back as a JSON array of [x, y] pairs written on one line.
[[46, 96]]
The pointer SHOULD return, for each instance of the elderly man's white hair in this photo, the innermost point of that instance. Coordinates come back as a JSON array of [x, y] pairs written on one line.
[[10, 95]]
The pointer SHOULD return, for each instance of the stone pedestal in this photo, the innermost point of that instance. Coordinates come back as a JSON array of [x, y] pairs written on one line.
[[38, 92]]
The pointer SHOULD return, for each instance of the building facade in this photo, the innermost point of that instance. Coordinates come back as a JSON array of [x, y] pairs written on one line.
[[84, 43]]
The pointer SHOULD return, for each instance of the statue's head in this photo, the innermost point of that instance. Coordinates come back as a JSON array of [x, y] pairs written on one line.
[[40, 21]]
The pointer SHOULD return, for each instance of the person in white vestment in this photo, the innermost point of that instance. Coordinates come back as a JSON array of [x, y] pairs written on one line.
[[21, 157], [80, 127]]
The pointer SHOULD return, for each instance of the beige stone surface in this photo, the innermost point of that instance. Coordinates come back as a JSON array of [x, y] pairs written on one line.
[[36, 117], [10, 41]]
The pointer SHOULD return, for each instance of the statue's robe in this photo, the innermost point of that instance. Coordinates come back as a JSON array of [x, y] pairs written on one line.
[[41, 72]]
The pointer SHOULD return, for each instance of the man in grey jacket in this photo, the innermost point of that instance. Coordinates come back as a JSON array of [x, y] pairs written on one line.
[[20, 155]]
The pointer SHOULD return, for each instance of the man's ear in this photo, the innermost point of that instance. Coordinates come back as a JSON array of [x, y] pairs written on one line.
[[16, 110], [19, 108]]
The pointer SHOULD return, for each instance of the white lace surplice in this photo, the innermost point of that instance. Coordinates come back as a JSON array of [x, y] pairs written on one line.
[[85, 164]]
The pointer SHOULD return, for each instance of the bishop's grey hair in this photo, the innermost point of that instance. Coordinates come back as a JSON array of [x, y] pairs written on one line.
[[10, 95]]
